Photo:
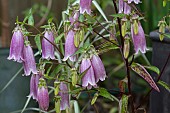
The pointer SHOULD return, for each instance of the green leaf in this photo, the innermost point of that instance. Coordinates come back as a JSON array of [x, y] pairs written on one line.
[[80, 50], [99, 9], [76, 107], [31, 20], [140, 70], [104, 93], [38, 42], [120, 15], [165, 85], [81, 18], [167, 35], [58, 38], [153, 68], [57, 70], [94, 98], [123, 104]]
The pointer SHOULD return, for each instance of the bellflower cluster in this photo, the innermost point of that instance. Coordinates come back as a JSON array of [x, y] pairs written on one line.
[[138, 37], [47, 47], [42, 95], [63, 93], [95, 71], [85, 6], [124, 7]]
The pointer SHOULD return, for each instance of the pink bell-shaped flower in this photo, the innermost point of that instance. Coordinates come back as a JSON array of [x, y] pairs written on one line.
[[47, 47], [17, 45], [34, 85], [63, 93], [98, 67], [70, 48], [124, 7], [88, 79], [42, 95], [85, 6], [29, 60], [139, 41]]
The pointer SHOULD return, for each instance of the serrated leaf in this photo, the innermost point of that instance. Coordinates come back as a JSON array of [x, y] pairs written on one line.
[[140, 70], [123, 104], [165, 85], [153, 68], [104, 93], [38, 42], [100, 9], [120, 15], [94, 98]]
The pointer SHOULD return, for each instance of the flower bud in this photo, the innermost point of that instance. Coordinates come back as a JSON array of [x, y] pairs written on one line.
[[124, 26], [85, 6], [162, 25], [29, 60], [64, 103], [42, 95], [74, 76], [126, 48], [88, 80], [70, 48], [17, 45], [47, 47]]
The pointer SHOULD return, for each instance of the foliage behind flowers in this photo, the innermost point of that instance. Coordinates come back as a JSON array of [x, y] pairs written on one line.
[[75, 46]]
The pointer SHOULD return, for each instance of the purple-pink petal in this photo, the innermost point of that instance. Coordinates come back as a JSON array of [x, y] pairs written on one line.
[[70, 48], [85, 6], [64, 103], [135, 1], [88, 79], [29, 60], [139, 41], [47, 47], [16, 47], [43, 98], [124, 7], [34, 85], [98, 67]]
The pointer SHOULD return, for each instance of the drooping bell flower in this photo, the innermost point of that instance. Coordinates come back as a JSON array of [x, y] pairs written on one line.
[[63, 93], [47, 47], [98, 67], [85, 6], [29, 60], [70, 48], [34, 85], [88, 80], [17, 45], [42, 95], [138, 37], [124, 7], [74, 19], [135, 1]]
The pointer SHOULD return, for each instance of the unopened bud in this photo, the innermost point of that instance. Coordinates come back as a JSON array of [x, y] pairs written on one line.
[[162, 25], [124, 26], [74, 76], [126, 48]]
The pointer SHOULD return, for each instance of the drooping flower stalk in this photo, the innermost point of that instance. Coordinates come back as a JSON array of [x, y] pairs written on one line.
[[138, 37], [42, 95], [17, 45], [70, 48], [29, 60], [47, 47], [88, 80], [63, 93], [85, 6], [98, 67], [34, 85]]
